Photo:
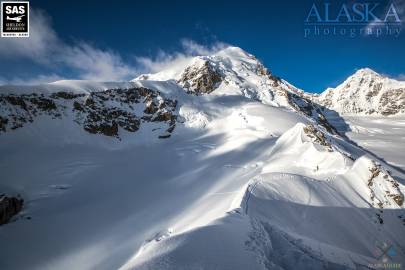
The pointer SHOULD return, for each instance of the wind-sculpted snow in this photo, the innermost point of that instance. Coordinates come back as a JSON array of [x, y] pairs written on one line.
[[302, 213], [324, 222]]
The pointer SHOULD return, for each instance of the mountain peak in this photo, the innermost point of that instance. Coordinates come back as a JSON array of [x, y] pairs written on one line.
[[366, 92], [232, 51], [362, 72], [174, 72], [361, 78]]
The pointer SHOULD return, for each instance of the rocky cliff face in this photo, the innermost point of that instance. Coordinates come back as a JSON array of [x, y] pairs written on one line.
[[366, 92], [104, 112], [202, 78]]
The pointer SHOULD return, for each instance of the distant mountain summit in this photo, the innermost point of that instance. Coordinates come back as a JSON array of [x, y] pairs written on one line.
[[366, 92]]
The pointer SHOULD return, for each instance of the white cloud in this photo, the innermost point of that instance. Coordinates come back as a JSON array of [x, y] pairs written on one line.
[[46, 48], [193, 48], [42, 43], [32, 80], [161, 61], [164, 59], [98, 65]]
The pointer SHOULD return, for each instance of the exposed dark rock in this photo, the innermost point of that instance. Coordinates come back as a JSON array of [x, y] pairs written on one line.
[[398, 198], [392, 102], [17, 101], [162, 117], [97, 112], [9, 207], [129, 122], [103, 128], [311, 109], [164, 136], [318, 136], [22, 109], [200, 79], [145, 92], [44, 104], [150, 107], [171, 128], [89, 102], [77, 106], [380, 220], [3, 123], [395, 194], [66, 95]]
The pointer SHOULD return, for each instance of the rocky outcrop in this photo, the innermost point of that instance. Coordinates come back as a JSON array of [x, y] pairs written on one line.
[[392, 102], [317, 136], [104, 112], [9, 207], [17, 110], [384, 191], [202, 78], [310, 109], [380, 181]]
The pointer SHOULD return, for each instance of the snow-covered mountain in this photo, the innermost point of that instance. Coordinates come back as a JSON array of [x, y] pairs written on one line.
[[217, 164], [366, 92], [233, 71]]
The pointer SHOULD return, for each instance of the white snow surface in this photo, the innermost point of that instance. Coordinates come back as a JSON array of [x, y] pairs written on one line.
[[240, 184], [382, 136]]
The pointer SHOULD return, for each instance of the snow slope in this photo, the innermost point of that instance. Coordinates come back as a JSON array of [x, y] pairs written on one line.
[[284, 220], [251, 177], [383, 136]]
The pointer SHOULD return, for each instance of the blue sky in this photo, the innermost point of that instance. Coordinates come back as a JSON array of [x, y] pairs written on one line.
[[113, 40]]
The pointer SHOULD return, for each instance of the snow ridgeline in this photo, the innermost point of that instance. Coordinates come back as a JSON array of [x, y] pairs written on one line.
[[302, 211]]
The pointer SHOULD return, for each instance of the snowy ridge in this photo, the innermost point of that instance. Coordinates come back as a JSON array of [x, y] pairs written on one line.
[[366, 93], [301, 211]]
